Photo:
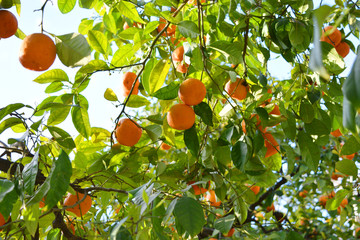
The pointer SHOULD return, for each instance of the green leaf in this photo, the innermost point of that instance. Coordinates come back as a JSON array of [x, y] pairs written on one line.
[[317, 127], [60, 110], [309, 150], [31, 218], [54, 234], [151, 10], [80, 118], [334, 203], [158, 213], [9, 109], [137, 101], [294, 236], [54, 87], [65, 6], [349, 113], [273, 162], [168, 92], [241, 210], [231, 51], [129, 10], [224, 224], [157, 76], [56, 184], [92, 66], [289, 126], [88, 4], [110, 22], [306, 112], [154, 132], [53, 75], [98, 41], [110, 95], [62, 137], [123, 55], [8, 197], [351, 146], [29, 174], [351, 86], [9, 122], [347, 167], [333, 62], [73, 49], [204, 111], [239, 155], [189, 215], [191, 140], [188, 29], [299, 36]]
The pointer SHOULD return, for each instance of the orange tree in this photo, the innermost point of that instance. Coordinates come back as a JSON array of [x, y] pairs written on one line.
[[265, 162]]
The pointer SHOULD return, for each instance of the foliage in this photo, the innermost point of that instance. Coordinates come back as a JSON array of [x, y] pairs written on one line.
[[144, 192]]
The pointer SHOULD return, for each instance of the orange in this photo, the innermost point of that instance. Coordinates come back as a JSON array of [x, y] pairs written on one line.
[[70, 225], [303, 194], [182, 67], [255, 189], [126, 26], [335, 176], [164, 146], [271, 145], [333, 38], [356, 232], [176, 41], [230, 233], [211, 198], [81, 208], [192, 91], [42, 203], [332, 194], [37, 52], [194, 2], [181, 117], [8, 24], [336, 133], [170, 31], [270, 208], [127, 81], [343, 204], [269, 99], [2, 220], [276, 110], [237, 90], [350, 156], [343, 49], [127, 132], [198, 190], [178, 54], [258, 124]]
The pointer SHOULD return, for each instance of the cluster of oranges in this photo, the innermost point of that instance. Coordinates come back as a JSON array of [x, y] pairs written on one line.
[[181, 116], [37, 51], [333, 36], [178, 58]]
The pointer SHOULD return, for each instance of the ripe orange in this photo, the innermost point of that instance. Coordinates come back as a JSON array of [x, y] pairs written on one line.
[[194, 2], [181, 117], [258, 124], [336, 133], [356, 232], [350, 156], [164, 146], [80, 209], [71, 226], [178, 54], [192, 91], [343, 49], [126, 26], [8, 24], [255, 189], [303, 194], [127, 81], [237, 90], [336, 176], [333, 38], [276, 110], [230, 233], [37, 52], [271, 145], [331, 195], [198, 190], [127, 132], [2, 220], [270, 208], [343, 204], [42, 203], [182, 67], [211, 198], [170, 31]]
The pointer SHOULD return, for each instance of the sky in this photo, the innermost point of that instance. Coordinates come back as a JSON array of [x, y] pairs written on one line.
[[17, 84]]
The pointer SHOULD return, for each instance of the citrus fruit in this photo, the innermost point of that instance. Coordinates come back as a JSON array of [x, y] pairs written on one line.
[[164, 146], [81, 208], [336, 133], [182, 67], [178, 54], [181, 117], [8, 24], [255, 189], [42, 203], [276, 110], [343, 49], [2, 220], [271, 145], [333, 38], [237, 90], [211, 198], [230, 233], [303, 193], [170, 31], [127, 81], [270, 208], [37, 52], [192, 91], [127, 132]]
